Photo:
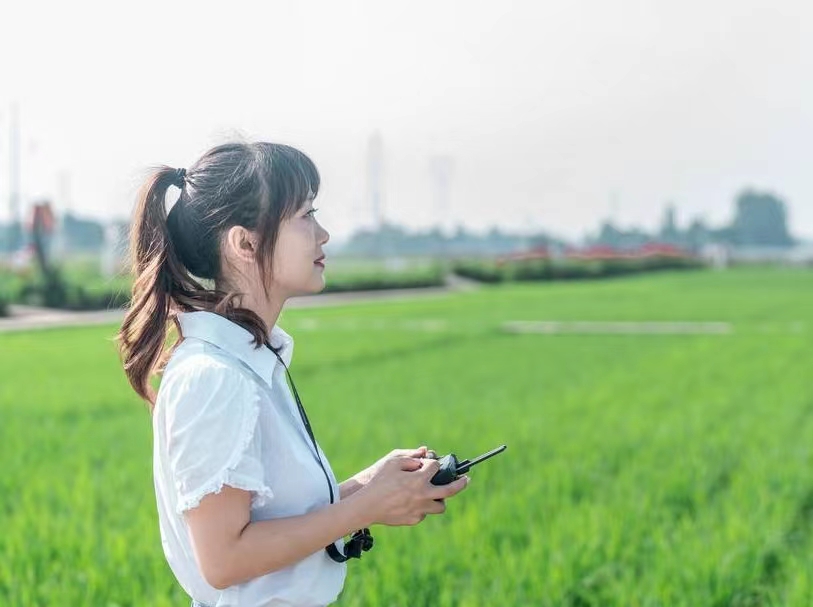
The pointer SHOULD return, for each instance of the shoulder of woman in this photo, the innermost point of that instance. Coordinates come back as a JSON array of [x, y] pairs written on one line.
[[202, 377], [194, 359]]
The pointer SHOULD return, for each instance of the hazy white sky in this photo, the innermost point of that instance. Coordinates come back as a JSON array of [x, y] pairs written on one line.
[[551, 110]]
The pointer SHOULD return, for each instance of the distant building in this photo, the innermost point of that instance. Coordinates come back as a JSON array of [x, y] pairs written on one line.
[[71, 234], [81, 235], [761, 221]]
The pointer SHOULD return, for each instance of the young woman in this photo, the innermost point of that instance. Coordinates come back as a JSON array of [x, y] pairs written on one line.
[[249, 510]]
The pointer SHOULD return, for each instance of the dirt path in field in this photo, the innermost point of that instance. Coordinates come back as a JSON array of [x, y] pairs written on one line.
[[28, 318]]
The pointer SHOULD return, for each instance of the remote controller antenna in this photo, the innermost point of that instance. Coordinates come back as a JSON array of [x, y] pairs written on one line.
[[465, 465], [451, 469]]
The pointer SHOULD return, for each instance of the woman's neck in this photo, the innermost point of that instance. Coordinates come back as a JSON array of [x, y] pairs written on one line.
[[268, 309], [270, 314]]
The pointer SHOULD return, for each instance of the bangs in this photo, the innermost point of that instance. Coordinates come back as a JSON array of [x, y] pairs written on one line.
[[292, 177]]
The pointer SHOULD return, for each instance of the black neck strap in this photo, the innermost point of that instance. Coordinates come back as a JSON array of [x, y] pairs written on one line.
[[362, 540]]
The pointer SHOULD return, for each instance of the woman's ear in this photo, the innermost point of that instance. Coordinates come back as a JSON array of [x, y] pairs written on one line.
[[241, 244]]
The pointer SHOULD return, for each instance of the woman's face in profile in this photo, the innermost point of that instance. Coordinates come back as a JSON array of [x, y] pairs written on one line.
[[298, 265]]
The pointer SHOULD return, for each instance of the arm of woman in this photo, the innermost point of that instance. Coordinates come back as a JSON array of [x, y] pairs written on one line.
[[230, 548]]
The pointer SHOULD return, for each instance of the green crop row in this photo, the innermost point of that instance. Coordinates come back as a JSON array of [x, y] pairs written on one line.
[[495, 271]]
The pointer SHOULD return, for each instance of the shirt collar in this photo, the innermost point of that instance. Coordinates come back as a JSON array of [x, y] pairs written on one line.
[[237, 341]]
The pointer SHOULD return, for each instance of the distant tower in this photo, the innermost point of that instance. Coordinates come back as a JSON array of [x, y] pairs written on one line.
[[441, 169], [64, 189], [64, 201], [669, 230], [16, 231], [375, 178]]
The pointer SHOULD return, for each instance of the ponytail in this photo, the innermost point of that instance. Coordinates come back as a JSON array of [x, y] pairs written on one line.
[[157, 275]]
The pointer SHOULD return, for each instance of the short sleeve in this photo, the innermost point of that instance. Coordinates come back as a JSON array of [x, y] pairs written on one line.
[[211, 429]]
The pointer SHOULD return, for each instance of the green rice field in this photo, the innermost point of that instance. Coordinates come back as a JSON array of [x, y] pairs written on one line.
[[644, 467]]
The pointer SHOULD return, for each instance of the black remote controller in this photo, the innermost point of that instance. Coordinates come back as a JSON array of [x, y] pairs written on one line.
[[451, 469]]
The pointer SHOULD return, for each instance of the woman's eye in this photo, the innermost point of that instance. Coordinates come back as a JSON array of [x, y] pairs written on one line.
[[311, 213]]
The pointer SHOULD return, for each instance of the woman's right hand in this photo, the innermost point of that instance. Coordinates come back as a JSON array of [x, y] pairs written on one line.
[[399, 493]]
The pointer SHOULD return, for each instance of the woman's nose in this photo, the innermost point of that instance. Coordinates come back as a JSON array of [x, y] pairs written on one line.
[[324, 235]]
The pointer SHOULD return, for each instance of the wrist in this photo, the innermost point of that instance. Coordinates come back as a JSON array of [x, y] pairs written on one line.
[[362, 477], [349, 487], [358, 509]]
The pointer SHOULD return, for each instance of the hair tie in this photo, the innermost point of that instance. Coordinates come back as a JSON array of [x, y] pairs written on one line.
[[180, 178]]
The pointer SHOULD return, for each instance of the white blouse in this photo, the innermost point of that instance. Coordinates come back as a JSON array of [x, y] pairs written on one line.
[[225, 415]]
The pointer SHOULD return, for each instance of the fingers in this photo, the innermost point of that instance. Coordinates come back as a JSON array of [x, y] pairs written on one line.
[[429, 467], [450, 490], [409, 464], [419, 452], [417, 519], [436, 507]]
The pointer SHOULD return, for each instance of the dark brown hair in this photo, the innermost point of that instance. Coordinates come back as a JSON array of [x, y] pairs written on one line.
[[254, 185]]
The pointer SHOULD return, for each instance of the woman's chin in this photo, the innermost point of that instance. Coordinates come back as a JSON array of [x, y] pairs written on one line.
[[316, 286]]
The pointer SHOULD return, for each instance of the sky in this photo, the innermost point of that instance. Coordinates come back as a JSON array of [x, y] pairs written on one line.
[[555, 115]]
